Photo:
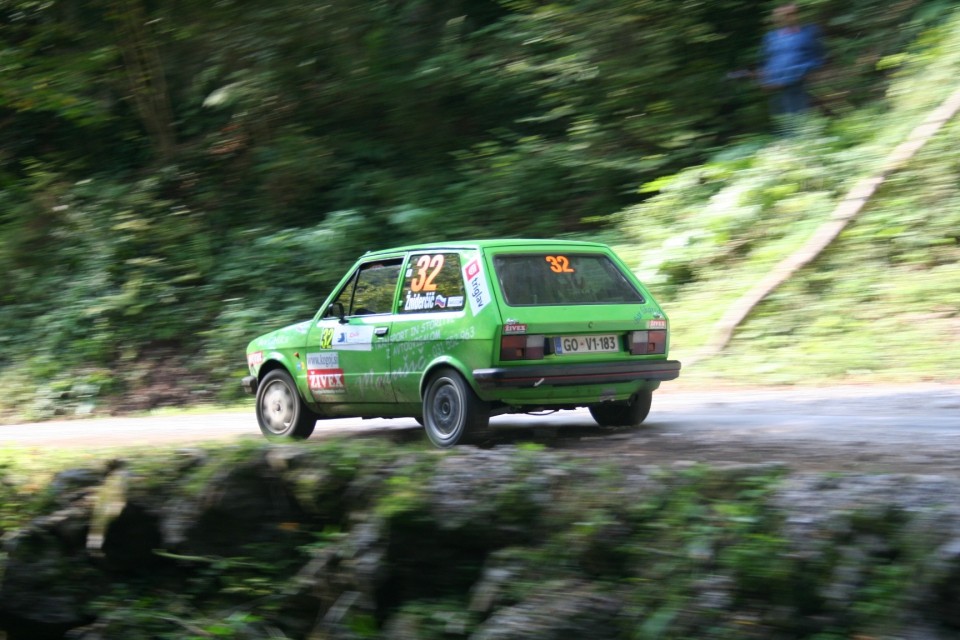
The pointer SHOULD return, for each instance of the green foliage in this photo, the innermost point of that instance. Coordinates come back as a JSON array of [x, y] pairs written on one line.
[[177, 178], [710, 232]]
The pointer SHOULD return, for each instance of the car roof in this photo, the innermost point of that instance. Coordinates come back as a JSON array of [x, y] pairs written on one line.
[[519, 243]]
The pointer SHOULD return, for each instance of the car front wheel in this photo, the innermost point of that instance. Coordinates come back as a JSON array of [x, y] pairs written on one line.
[[451, 410], [623, 414], [281, 412]]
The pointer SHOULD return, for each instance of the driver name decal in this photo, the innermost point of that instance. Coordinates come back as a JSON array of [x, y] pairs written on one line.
[[424, 301]]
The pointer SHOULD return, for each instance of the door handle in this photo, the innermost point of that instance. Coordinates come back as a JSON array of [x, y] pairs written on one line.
[[381, 331]]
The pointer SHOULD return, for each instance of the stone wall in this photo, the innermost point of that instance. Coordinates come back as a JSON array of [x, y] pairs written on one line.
[[360, 540]]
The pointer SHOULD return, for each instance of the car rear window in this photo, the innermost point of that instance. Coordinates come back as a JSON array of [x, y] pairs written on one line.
[[534, 279]]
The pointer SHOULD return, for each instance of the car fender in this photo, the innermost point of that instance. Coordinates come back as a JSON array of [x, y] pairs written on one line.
[[274, 360], [451, 362]]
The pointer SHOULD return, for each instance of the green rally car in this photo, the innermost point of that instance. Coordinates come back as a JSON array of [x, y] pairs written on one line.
[[452, 333]]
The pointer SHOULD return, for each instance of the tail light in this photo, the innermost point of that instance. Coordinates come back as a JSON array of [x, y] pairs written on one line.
[[522, 347], [647, 342]]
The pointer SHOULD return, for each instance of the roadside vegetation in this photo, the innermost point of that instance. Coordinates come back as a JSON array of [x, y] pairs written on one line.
[[176, 179]]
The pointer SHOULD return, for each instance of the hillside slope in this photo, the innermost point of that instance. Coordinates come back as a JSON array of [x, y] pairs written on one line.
[[881, 303]]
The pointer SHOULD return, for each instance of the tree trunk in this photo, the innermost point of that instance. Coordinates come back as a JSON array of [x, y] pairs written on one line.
[[145, 76]]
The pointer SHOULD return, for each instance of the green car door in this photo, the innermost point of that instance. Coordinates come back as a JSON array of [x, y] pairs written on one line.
[[348, 361], [442, 319]]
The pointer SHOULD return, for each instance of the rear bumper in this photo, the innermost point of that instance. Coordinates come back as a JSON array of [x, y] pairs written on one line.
[[560, 375], [250, 384]]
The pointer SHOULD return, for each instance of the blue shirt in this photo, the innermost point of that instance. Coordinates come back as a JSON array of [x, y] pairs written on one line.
[[790, 54]]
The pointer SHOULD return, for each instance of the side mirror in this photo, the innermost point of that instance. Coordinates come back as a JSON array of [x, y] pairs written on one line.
[[335, 310]]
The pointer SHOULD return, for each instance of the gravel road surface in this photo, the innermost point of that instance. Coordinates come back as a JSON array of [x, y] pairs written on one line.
[[913, 428]]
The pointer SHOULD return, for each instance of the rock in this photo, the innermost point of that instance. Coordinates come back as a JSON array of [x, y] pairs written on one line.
[[556, 611], [945, 599], [335, 624], [489, 498], [72, 484], [240, 505], [47, 580], [108, 503], [502, 569]]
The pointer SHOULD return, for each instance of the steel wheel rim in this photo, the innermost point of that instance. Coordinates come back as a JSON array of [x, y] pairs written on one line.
[[446, 413], [278, 408]]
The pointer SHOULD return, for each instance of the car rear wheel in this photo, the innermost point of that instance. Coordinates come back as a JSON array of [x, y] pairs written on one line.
[[281, 412], [623, 414], [451, 410]]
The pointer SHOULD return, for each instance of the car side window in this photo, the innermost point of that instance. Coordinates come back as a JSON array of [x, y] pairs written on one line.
[[432, 282], [371, 290]]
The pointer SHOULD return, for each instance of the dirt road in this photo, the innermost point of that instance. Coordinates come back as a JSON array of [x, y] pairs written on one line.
[[913, 428]]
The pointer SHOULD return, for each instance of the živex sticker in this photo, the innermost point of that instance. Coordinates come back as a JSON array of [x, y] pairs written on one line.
[[324, 374], [323, 381]]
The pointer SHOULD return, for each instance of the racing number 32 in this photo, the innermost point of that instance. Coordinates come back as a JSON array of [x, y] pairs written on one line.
[[423, 281], [559, 264]]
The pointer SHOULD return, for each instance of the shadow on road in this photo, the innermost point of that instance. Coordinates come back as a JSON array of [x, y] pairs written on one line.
[[505, 431]]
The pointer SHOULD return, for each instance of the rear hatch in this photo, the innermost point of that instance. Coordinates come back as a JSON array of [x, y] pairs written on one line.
[[574, 304]]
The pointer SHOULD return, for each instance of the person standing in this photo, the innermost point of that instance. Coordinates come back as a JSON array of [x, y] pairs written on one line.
[[791, 51]]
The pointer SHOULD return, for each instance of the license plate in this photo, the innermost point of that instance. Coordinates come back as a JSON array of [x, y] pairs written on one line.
[[566, 345]]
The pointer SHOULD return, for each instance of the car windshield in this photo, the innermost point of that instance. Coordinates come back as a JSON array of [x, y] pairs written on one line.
[[563, 279]]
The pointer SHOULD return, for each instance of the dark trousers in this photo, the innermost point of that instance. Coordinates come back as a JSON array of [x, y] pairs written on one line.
[[790, 99]]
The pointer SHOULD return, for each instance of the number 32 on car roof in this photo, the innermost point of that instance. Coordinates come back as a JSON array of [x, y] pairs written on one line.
[[560, 264]]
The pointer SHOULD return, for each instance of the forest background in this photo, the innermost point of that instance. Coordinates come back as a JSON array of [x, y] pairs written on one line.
[[179, 177]]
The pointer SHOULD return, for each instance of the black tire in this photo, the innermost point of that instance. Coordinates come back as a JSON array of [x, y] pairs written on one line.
[[281, 412], [451, 410], [623, 414]]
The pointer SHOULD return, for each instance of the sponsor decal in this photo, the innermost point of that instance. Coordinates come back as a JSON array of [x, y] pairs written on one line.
[[515, 327], [477, 291], [255, 359], [329, 360], [302, 327], [455, 302], [647, 308], [440, 302], [326, 338], [657, 324], [323, 381], [353, 338]]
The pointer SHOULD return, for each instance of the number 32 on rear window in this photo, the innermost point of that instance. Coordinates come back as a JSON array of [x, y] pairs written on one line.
[[560, 264]]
